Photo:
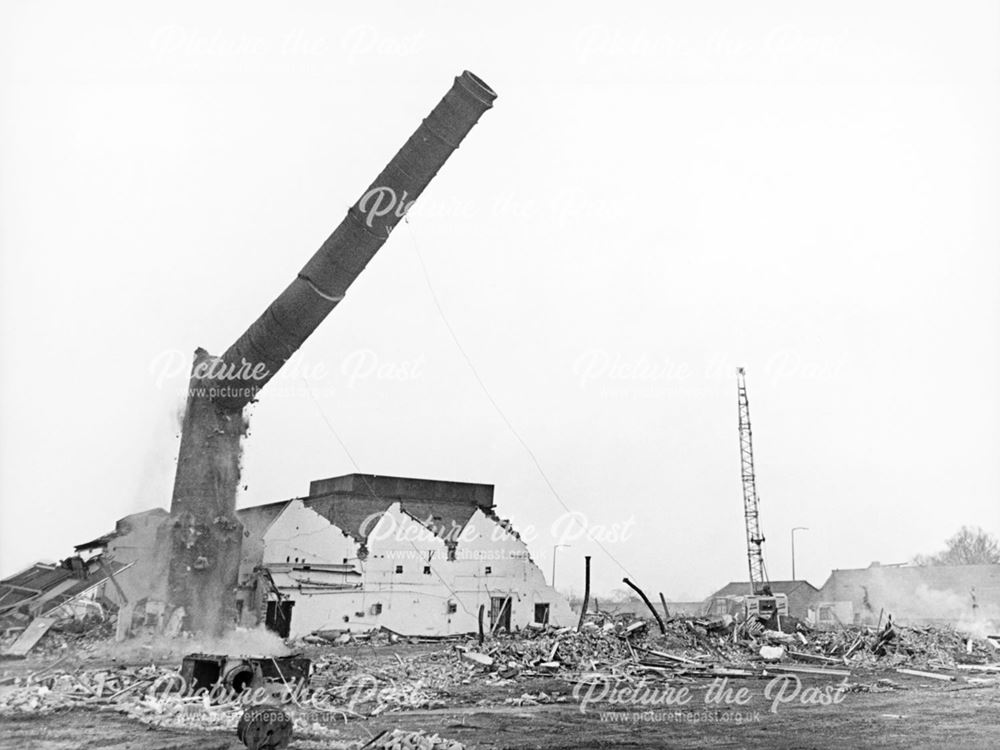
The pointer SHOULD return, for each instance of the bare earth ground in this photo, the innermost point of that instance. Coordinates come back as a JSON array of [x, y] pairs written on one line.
[[937, 715]]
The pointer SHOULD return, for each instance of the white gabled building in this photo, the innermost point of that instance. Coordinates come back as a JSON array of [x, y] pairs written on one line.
[[416, 556]]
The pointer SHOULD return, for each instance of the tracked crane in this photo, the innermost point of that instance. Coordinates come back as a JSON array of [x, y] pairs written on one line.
[[760, 603], [751, 505]]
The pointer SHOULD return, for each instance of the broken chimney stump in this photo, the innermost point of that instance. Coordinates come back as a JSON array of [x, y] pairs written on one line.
[[205, 536]]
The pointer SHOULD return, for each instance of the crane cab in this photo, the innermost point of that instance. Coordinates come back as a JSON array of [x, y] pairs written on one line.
[[763, 607]]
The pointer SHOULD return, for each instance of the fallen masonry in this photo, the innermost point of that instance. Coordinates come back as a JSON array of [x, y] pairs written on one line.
[[331, 683]]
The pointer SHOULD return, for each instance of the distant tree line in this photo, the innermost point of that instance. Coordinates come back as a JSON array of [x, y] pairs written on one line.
[[969, 546]]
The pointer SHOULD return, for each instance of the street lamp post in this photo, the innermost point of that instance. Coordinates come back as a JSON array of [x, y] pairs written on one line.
[[555, 548], [794, 529]]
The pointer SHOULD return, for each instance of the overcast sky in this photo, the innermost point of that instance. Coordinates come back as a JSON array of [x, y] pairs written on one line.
[[662, 192]]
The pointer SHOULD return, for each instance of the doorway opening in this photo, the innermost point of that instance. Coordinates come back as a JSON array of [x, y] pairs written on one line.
[[500, 613], [279, 617], [542, 613]]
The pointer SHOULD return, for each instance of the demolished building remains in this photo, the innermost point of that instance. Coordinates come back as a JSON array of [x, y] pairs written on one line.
[[363, 552], [199, 546], [915, 594]]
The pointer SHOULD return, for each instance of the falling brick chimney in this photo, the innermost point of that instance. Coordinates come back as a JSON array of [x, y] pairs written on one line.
[[202, 533]]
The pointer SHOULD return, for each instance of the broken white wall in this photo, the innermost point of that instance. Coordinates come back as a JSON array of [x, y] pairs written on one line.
[[135, 542], [301, 535], [409, 584], [493, 562], [256, 522]]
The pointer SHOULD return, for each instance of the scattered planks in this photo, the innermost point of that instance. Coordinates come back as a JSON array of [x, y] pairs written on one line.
[[979, 667], [475, 658], [732, 672], [30, 636], [816, 658], [809, 670], [670, 657], [928, 675]]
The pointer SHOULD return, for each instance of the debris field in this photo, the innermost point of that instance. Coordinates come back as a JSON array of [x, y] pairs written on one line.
[[356, 678]]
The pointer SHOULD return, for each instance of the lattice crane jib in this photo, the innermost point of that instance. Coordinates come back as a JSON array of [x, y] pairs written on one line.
[[751, 510]]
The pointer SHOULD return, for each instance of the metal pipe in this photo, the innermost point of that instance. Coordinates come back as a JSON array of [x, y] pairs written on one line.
[[259, 353], [586, 591], [649, 604], [663, 601]]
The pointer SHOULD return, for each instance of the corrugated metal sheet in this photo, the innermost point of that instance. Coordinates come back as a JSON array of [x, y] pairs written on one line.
[[42, 588]]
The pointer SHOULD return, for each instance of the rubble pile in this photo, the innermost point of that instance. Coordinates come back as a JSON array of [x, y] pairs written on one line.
[[400, 740], [68, 634], [394, 685], [130, 690], [73, 637], [689, 646], [719, 646], [50, 689], [625, 648], [133, 692], [386, 674], [893, 645]]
